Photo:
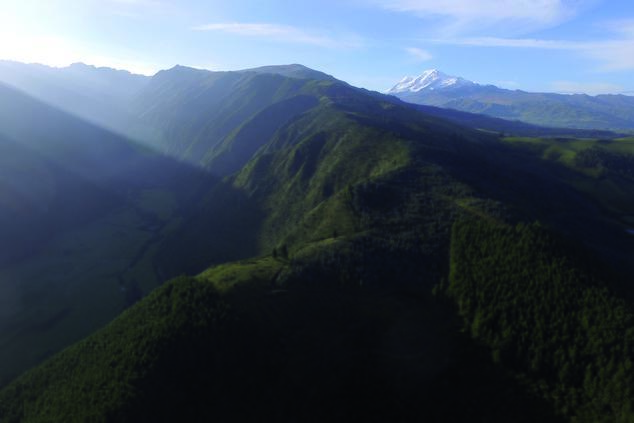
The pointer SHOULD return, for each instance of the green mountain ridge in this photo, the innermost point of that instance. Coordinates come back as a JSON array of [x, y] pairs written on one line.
[[345, 208], [202, 127], [293, 71]]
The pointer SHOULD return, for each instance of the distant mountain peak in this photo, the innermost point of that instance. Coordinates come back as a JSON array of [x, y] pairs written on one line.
[[185, 69], [81, 65], [431, 79], [294, 70]]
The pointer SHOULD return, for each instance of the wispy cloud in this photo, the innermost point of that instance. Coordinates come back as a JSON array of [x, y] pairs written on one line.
[[611, 54], [623, 27], [592, 88], [281, 33], [142, 3], [419, 54], [615, 55], [511, 42], [509, 84], [141, 9], [464, 15]]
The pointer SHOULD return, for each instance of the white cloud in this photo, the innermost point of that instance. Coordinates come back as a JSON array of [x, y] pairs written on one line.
[[137, 2], [509, 84], [623, 27], [611, 54], [146, 4], [534, 10], [419, 54], [512, 42], [617, 55], [465, 15], [283, 33], [592, 88], [139, 9]]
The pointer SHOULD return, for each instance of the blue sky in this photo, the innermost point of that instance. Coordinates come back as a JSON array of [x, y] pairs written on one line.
[[535, 45]]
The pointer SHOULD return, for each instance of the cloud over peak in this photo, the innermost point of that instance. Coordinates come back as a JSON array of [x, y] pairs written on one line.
[[419, 54], [282, 33]]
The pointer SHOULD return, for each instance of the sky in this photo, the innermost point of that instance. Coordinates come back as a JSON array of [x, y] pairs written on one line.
[[567, 46]]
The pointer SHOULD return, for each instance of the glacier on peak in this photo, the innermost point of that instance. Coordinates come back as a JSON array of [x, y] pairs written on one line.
[[430, 79]]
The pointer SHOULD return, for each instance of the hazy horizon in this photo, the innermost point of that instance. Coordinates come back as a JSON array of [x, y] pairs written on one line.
[[566, 46], [569, 92]]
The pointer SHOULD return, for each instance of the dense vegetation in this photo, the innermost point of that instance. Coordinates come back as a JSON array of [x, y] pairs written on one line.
[[545, 316], [348, 198], [604, 160], [598, 168], [82, 210], [516, 127], [204, 348], [108, 376]]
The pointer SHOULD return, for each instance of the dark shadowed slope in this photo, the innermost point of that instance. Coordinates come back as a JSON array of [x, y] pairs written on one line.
[[351, 206], [83, 213]]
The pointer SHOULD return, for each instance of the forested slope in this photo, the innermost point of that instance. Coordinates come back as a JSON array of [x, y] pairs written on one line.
[[546, 315], [353, 208]]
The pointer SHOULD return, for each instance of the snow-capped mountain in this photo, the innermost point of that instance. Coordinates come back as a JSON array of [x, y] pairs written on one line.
[[431, 79], [434, 88]]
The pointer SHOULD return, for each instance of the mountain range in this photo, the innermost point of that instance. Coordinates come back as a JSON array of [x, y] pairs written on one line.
[[581, 111], [348, 256]]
